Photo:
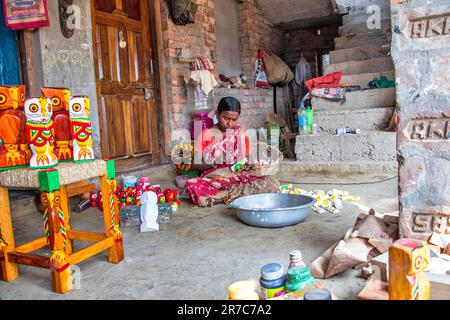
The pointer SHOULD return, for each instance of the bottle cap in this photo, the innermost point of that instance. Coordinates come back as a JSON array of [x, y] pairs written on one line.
[[272, 271], [318, 294]]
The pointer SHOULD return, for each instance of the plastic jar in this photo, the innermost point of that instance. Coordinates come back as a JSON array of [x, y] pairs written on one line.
[[243, 290], [298, 278], [272, 281], [130, 181], [205, 122], [318, 294]]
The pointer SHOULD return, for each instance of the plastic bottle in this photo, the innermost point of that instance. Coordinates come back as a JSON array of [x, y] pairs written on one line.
[[309, 119], [296, 259], [302, 120], [298, 275], [272, 281]]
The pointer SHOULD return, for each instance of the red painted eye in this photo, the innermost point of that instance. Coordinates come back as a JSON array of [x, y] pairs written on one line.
[[23, 96], [34, 108], [418, 262], [3, 98], [56, 101]]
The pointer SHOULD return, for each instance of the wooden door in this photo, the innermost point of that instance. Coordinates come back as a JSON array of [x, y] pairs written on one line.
[[125, 82]]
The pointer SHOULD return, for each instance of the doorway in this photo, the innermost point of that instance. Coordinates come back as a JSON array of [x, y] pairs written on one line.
[[125, 80]]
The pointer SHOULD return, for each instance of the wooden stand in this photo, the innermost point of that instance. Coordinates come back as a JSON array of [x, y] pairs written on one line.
[[59, 234]]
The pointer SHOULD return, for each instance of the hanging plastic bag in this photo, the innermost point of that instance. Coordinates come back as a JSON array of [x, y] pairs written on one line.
[[260, 71]]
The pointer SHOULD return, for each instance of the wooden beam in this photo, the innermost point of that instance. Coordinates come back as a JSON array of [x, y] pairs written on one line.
[[29, 63], [29, 259], [9, 271], [86, 236], [88, 252], [82, 188], [32, 246], [155, 15]]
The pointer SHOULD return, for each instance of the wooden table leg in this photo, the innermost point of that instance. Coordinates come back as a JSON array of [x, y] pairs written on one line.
[[111, 216], [55, 229], [8, 271], [66, 209]]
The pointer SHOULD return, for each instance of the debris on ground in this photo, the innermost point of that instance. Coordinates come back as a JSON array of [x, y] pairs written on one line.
[[369, 238], [330, 201]]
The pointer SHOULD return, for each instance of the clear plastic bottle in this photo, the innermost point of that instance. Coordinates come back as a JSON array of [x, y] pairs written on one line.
[[296, 259], [302, 120]]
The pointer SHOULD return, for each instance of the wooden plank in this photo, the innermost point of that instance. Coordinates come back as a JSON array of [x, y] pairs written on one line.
[[86, 236], [29, 65], [29, 259], [9, 271], [88, 252], [80, 188], [32, 246]]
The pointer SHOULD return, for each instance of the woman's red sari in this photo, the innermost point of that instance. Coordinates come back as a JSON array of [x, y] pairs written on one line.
[[221, 183]]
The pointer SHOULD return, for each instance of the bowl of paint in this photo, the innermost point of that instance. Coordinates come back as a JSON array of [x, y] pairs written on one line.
[[273, 210]]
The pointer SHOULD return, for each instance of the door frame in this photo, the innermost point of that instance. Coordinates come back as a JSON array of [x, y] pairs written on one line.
[[159, 65]]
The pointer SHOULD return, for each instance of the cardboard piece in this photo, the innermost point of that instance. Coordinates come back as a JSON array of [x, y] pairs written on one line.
[[374, 290]]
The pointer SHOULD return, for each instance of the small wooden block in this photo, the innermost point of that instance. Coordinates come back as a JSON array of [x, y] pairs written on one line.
[[374, 290], [49, 180], [110, 169]]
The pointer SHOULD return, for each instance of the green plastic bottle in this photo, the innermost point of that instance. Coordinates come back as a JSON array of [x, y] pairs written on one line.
[[310, 119]]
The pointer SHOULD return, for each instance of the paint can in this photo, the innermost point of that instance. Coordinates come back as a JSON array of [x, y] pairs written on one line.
[[272, 281], [318, 294]]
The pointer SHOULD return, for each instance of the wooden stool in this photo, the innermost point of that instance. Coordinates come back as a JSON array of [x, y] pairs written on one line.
[[59, 235]]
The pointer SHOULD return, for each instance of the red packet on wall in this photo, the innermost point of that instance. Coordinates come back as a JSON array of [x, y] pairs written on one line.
[[21, 14]]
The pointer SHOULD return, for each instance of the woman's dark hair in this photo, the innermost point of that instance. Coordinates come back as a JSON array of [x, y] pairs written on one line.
[[229, 104]]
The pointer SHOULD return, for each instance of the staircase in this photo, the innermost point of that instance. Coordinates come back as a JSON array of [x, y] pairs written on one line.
[[362, 55]]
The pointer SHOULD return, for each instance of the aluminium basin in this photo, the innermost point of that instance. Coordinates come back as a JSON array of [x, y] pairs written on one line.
[[273, 210]]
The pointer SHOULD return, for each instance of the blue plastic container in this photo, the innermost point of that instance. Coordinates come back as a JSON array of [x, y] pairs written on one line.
[[272, 281]]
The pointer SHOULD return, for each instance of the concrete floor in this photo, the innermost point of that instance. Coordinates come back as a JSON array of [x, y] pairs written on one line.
[[202, 251]]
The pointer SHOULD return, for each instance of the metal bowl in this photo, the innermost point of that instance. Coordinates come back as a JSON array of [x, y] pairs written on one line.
[[273, 210]]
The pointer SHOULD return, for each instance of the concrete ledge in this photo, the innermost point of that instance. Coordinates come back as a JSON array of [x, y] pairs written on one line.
[[358, 53], [291, 168], [364, 119], [359, 67], [364, 78], [367, 146], [376, 98], [366, 39], [361, 28]]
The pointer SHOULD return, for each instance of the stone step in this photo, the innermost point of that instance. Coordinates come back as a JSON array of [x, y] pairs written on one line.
[[360, 67], [363, 17], [328, 147], [374, 38], [362, 28], [358, 53], [291, 168], [364, 119], [364, 78], [364, 99]]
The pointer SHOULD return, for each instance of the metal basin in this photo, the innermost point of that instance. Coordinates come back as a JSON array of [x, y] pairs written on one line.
[[273, 210]]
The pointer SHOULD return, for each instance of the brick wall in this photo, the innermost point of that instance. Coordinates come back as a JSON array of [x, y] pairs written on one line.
[[256, 32], [200, 37]]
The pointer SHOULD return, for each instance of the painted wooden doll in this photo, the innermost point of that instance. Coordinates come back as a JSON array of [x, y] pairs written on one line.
[[408, 259], [60, 98], [81, 129], [40, 133], [12, 128]]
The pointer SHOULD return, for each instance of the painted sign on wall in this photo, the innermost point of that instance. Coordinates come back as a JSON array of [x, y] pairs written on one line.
[[29, 14]]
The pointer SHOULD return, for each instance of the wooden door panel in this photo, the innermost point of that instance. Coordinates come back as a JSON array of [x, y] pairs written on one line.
[[141, 126], [124, 72], [113, 138]]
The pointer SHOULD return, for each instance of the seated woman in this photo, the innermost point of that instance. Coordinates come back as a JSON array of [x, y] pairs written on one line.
[[226, 142]]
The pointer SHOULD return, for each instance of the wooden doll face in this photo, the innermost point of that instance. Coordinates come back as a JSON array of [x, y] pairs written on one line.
[[79, 107], [60, 98], [39, 110], [419, 255], [12, 97]]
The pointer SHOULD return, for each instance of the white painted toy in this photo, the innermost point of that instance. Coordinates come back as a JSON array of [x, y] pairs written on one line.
[[81, 129], [149, 212]]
